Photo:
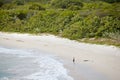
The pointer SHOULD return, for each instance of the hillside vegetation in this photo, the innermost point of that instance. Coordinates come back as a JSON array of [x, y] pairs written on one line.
[[96, 21]]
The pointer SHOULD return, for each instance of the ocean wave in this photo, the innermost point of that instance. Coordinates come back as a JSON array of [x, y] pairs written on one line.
[[49, 68]]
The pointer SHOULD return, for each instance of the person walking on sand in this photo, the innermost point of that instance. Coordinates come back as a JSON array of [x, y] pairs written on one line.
[[73, 60]]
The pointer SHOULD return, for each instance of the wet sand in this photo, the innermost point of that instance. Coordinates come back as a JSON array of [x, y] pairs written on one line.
[[92, 62]]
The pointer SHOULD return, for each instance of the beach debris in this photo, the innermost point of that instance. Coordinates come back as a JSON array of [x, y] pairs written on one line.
[[85, 60]]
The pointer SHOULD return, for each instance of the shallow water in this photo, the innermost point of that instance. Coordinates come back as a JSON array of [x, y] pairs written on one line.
[[30, 65]]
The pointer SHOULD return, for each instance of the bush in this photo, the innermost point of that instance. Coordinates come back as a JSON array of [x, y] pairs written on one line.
[[22, 16], [67, 4], [8, 6], [36, 7], [19, 2], [96, 5], [1, 3], [111, 1]]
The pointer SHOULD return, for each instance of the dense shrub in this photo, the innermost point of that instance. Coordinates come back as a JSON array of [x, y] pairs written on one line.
[[67, 4], [1, 3], [111, 1], [19, 2], [8, 6], [36, 7], [68, 18], [96, 5], [14, 20]]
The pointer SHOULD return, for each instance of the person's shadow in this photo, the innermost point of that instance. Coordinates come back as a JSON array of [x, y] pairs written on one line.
[[73, 60]]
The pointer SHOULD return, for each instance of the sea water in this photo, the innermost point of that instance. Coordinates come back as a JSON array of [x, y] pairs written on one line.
[[30, 65]]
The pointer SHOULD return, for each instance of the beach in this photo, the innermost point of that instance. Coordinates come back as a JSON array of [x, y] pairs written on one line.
[[92, 62]]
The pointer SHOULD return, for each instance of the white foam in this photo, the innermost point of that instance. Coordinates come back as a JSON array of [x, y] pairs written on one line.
[[19, 53], [49, 67], [4, 78]]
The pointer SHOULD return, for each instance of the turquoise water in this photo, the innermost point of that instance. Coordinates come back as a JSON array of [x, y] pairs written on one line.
[[4, 74]]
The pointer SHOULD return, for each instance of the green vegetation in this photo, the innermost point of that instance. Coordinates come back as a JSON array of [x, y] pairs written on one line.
[[73, 19], [67, 4]]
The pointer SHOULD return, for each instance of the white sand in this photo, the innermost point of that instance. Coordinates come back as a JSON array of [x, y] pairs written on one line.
[[93, 62]]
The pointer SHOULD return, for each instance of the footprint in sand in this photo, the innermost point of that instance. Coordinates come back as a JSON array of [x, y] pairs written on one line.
[[45, 45], [19, 40], [6, 38]]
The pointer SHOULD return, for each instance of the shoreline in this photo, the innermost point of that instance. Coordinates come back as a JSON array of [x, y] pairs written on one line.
[[93, 62]]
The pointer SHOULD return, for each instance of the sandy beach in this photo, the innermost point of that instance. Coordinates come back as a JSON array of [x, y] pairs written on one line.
[[92, 62]]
